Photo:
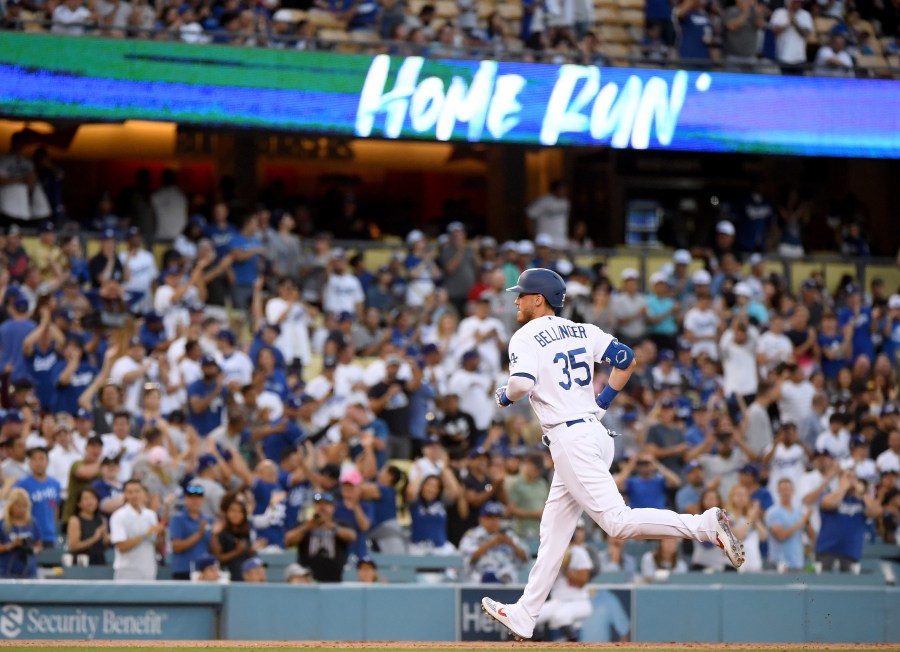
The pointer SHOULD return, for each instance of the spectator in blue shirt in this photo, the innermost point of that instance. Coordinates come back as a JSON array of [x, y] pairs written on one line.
[[20, 539], [662, 310], [245, 249], [755, 219], [844, 512], [350, 508], [285, 434], [892, 330], [786, 523], [294, 480], [270, 510], [42, 348], [220, 231], [429, 516], [386, 532], [649, 487], [73, 374], [12, 336], [108, 487], [858, 324], [206, 397], [695, 30], [834, 350], [190, 533], [44, 493]]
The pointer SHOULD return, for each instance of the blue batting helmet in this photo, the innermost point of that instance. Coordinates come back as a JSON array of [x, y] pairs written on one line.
[[542, 281]]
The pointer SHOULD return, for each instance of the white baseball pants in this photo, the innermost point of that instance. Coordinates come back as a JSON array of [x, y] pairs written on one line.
[[582, 455]]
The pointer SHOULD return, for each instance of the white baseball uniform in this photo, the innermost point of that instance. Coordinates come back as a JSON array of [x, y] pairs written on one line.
[[558, 355]]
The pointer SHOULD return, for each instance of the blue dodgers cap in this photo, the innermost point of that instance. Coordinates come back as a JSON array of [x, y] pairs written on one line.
[[432, 440], [666, 355], [852, 288], [492, 508], [252, 563], [329, 362], [749, 469], [430, 348], [153, 317], [133, 231], [198, 220], [20, 304], [207, 360], [345, 316], [108, 234], [47, 227], [12, 416], [205, 561], [690, 466], [858, 442], [471, 354], [171, 270], [83, 413], [668, 403], [226, 335], [206, 461]]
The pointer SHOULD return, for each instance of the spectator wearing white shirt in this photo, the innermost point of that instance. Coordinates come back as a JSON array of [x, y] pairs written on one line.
[[130, 371], [61, 458], [629, 308], [343, 292], [120, 445], [71, 18], [236, 365], [791, 25], [774, 346], [289, 312], [474, 388], [701, 322], [889, 460], [17, 177], [114, 15], [786, 458], [140, 269], [135, 532], [797, 393], [833, 60], [836, 439], [738, 347], [483, 333]]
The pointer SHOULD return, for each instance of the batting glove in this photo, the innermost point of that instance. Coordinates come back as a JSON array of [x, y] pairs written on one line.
[[501, 398]]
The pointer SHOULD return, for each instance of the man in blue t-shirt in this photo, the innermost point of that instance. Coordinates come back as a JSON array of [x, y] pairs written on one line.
[[245, 249], [786, 523], [891, 330], [72, 375], [12, 336], [190, 533], [220, 231], [649, 487], [695, 30], [207, 397], [857, 320], [292, 478], [351, 509], [270, 505], [45, 495], [844, 512], [286, 433]]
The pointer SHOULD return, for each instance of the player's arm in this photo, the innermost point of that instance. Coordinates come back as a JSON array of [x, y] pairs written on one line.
[[621, 358], [522, 373]]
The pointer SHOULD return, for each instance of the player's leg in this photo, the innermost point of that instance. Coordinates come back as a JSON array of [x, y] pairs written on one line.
[[582, 460], [558, 522]]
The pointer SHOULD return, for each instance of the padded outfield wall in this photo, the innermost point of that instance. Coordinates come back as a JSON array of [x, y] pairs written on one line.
[[183, 611]]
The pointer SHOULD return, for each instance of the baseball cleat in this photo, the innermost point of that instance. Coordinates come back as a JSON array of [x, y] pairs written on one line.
[[497, 611], [725, 539]]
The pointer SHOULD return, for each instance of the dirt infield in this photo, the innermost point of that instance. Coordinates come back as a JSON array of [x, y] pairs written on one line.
[[422, 645]]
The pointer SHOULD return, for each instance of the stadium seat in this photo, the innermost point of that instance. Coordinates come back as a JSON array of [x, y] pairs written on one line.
[[446, 9], [510, 11], [873, 65]]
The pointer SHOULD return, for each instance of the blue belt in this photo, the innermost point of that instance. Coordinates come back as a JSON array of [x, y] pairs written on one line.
[[571, 423]]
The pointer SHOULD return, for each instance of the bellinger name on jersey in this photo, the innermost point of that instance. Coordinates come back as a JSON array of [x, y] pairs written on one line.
[[560, 332]]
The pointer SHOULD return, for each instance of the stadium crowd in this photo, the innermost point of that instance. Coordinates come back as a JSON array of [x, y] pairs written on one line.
[[743, 33], [250, 392]]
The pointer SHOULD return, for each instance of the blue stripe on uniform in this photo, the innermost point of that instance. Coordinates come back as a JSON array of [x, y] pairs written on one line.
[[522, 374]]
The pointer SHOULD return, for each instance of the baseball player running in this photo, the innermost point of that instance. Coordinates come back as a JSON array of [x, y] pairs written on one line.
[[552, 360]]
